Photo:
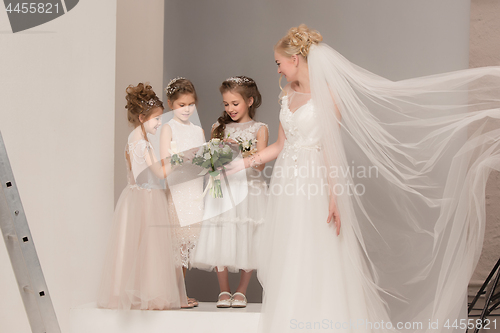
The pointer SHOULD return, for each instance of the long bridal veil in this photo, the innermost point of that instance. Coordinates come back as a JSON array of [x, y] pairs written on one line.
[[409, 162]]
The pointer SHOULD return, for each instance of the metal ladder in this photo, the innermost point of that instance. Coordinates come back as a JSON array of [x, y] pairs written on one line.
[[22, 253]]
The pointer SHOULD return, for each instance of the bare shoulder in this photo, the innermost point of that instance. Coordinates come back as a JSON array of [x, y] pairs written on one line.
[[166, 129], [263, 127]]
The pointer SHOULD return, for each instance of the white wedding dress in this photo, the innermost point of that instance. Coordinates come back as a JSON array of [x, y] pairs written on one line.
[[412, 230], [309, 273]]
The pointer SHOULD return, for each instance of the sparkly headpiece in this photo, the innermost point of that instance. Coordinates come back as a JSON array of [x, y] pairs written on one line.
[[239, 79], [152, 103], [170, 89]]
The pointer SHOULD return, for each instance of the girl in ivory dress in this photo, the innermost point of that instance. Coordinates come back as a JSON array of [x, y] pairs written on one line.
[[229, 236], [140, 270], [179, 134]]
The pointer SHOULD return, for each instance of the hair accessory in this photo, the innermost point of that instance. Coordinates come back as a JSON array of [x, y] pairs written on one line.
[[239, 79], [169, 90], [153, 102]]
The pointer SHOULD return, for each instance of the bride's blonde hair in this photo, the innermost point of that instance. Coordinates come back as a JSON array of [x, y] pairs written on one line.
[[298, 40]]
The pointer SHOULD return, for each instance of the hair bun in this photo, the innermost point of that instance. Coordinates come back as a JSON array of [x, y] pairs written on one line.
[[303, 37], [141, 99], [298, 40]]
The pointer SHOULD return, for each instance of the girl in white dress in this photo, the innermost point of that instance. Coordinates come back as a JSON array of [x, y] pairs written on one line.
[[229, 237], [185, 202], [140, 269]]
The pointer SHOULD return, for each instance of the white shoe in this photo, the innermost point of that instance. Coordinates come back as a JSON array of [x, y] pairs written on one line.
[[224, 303], [237, 303]]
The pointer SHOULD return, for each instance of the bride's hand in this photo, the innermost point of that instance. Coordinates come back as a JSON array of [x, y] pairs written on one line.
[[234, 166], [333, 213]]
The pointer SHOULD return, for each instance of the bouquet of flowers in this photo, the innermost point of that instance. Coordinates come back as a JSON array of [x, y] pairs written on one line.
[[175, 155], [213, 155]]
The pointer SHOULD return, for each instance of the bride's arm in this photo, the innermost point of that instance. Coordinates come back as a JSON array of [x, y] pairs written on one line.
[[333, 212], [269, 153], [263, 156], [262, 140]]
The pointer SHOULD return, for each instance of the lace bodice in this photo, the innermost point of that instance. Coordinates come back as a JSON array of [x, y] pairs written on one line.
[[138, 173], [301, 127], [246, 131]]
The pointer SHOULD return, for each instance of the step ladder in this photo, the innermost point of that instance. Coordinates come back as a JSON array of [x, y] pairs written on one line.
[[22, 253]]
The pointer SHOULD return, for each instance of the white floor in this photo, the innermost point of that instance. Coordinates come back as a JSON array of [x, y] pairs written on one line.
[[205, 318]]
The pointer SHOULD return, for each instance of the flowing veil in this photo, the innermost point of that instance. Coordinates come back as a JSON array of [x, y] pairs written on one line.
[[409, 162], [187, 170]]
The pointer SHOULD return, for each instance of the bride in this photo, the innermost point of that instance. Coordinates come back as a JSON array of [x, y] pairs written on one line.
[[376, 209]]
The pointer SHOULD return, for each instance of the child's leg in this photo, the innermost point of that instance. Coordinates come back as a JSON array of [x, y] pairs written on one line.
[[194, 301], [223, 277], [244, 281]]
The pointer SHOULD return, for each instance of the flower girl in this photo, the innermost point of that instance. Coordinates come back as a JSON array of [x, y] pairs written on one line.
[[228, 239], [179, 135], [140, 269]]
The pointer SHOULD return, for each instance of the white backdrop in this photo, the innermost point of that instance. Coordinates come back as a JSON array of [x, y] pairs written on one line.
[[57, 88]]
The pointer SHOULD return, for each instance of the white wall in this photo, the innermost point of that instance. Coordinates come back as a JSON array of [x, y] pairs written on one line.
[[139, 58], [57, 114]]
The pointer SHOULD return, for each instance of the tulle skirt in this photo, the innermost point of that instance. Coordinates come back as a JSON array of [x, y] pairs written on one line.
[[312, 278], [229, 235], [140, 269]]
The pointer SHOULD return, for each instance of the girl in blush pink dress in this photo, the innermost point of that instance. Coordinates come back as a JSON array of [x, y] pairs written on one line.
[[140, 269]]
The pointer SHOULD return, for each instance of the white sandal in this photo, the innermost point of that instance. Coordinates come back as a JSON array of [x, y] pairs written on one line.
[[224, 303], [238, 303]]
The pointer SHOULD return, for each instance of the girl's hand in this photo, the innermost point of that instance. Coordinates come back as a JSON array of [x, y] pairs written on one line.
[[189, 154], [333, 213], [230, 140]]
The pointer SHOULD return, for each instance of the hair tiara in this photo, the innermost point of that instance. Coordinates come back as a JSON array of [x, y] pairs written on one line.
[[170, 89], [239, 80], [152, 103]]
